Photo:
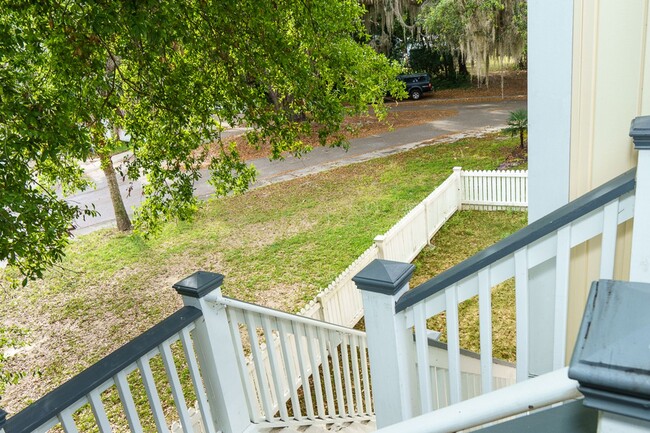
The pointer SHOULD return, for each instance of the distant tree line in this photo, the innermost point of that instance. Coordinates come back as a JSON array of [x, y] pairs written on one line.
[[442, 37]]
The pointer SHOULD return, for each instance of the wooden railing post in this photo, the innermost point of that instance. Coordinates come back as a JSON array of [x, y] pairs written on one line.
[[640, 259], [390, 342], [215, 351]]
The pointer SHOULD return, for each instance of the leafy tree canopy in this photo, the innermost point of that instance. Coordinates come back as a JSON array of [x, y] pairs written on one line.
[[168, 73], [478, 29]]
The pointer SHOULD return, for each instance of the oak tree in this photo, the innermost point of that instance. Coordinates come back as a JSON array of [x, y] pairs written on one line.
[[73, 72]]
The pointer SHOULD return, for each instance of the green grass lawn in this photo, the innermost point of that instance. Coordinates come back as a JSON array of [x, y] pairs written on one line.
[[277, 246]]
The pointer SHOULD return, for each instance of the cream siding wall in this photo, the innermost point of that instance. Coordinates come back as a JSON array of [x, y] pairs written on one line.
[[610, 68]]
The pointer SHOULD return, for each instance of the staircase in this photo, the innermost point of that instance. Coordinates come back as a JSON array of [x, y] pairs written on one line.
[[365, 426]]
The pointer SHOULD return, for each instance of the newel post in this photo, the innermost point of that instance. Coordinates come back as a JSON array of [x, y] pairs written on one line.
[[215, 351], [390, 341], [640, 260]]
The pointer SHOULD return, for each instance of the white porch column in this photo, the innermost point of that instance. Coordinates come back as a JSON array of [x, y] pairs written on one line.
[[640, 261], [215, 352], [390, 342]]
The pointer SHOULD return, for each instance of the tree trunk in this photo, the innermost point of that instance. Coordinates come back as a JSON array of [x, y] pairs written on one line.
[[521, 138], [487, 70], [121, 217], [502, 95], [462, 65]]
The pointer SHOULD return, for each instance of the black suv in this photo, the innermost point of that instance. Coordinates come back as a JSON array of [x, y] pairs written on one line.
[[416, 84]]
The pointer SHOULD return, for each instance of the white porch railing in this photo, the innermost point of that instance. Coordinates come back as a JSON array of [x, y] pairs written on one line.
[[84, 401], [244, 364], [341, 303], [285, 352], [598, 213]]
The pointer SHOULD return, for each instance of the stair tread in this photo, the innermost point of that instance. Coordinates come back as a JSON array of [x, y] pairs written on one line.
[[330, 426]]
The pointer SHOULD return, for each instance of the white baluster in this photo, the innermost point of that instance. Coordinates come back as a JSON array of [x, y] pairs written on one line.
[[260, 367], [318, 389], [354, 346], [608, 244], [126, 398], [521, 312], [366, 377], [236, 317], [276, 367], [422, 349], [345, 360], [288, 360], [176, 387], [195, 375], [67, 422], [152, 395], [562, 266], [97, 407], [338, 386], [298, 334], [327, 377], [485, 328], [453, 343]]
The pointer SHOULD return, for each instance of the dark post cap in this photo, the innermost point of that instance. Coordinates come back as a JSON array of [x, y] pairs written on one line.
[[384, 276], [640, 132], [610, 359], [199, 284]]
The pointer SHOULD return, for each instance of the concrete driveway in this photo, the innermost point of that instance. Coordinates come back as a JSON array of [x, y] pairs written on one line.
[[471, 118]]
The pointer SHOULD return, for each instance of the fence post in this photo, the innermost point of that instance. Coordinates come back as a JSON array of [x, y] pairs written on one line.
[[379, 241], [215, 351], [390, 341], [459, 179]]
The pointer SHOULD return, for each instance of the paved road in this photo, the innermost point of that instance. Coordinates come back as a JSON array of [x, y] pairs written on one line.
[[471, 117]]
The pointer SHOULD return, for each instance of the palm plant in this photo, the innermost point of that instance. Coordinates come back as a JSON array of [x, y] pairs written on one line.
[[518, 123]]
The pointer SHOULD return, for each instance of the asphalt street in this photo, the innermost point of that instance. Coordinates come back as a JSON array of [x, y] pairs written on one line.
[[471, 118]]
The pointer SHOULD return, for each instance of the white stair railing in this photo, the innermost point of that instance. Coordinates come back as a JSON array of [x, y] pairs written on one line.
[[296, 368], [598, 213]]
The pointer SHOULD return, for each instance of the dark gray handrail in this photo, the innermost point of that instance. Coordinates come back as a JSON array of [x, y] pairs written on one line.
[[76, 388], [537, 230]]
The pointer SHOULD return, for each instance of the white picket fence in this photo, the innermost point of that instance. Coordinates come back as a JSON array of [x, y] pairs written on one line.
[[340, 302], [494, 190]]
